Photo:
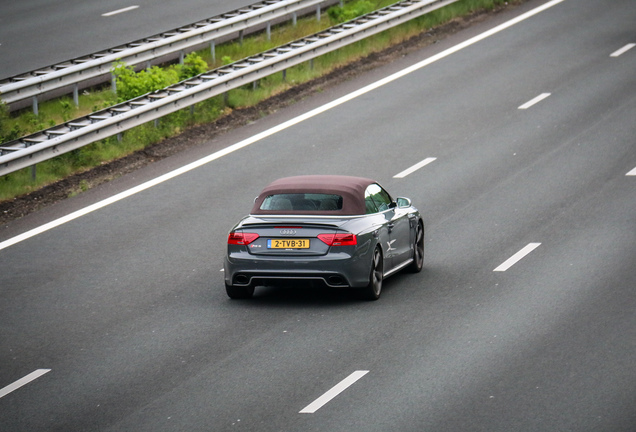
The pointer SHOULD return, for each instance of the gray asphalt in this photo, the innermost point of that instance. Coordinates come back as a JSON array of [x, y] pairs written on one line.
[[127, 309], [39, 33]]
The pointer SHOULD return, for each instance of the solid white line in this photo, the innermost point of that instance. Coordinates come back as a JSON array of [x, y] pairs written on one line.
[[534, 101], [632, 172], [118, 11], [517, 257], [277, 128], [335, 391], [623, 50], [414, 168], [23, 381]]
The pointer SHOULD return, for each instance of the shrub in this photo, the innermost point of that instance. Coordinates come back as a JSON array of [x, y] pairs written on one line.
[[193, 65], [131, 84], [350, 11]]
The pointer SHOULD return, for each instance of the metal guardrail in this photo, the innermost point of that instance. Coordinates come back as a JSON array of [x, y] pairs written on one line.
[[74, 134], [70, 73]]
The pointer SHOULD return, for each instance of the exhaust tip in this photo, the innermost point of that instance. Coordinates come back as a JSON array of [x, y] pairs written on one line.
[[241, 280], [335, 280]]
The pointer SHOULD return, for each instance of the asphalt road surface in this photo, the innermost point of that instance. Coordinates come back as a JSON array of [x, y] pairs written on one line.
[[38, 33], [524, 318]]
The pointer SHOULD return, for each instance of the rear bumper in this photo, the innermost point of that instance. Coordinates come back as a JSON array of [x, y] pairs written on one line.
[[338, 270]]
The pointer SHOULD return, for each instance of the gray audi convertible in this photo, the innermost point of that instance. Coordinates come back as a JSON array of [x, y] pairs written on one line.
[[341, 231]]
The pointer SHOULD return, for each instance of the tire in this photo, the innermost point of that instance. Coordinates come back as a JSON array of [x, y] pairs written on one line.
[[374, 289], [418, 250], [239, 292]]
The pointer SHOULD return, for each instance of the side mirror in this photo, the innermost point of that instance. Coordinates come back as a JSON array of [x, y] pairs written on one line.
[[403, 202]]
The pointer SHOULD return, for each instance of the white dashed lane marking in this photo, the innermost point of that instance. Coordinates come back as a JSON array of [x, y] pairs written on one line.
[[118, 11], [22, 382], [414, 167], [534, 101], [622, 50], [517, 257], [335, 391]]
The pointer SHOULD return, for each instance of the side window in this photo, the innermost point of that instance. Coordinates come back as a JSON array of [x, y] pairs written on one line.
[[376, 199], [369, 203]]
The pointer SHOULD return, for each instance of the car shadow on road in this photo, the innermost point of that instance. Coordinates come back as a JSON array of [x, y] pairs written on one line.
[[304, 294], [294, 294]]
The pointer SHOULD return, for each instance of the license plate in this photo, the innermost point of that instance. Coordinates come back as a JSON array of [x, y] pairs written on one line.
[[288, 243]]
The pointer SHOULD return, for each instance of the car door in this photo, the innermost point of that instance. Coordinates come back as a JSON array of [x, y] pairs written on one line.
[[397, 245], [400, 228]]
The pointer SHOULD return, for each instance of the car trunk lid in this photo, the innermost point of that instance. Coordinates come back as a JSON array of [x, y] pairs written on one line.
[[285, 237]]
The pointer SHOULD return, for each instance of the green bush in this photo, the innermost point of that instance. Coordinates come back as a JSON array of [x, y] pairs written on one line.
[[193, 65], [350, 11], [131, 84]]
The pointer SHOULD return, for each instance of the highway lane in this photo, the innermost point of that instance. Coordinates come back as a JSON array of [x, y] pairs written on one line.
[[38, 33], [126, 306]]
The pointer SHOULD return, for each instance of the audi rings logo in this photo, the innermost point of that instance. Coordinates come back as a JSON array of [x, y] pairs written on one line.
[[288, 232]]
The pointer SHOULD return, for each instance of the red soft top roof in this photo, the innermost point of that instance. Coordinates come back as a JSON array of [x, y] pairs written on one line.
[[351, 189]]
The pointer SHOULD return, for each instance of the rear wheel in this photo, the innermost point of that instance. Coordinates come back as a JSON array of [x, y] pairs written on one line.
[[374, 289], [418, 250], [239, 292]]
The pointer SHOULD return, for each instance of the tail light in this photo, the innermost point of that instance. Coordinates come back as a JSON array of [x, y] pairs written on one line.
[[241, 238], [340, 239]]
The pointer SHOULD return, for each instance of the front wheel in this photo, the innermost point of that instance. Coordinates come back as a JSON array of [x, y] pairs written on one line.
[[418, 250], [374, 289], [239, 292]]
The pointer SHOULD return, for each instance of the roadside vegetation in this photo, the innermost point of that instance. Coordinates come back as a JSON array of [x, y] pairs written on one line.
[[131, 84]]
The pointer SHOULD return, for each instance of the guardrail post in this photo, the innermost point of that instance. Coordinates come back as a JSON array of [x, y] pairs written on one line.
[[181, 57], [213, 51], [34, 172], [241, 37], [113, 83], [269, 31], [318, 13], [76, 94], [294, 19], [284, 75], [35, 105]]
